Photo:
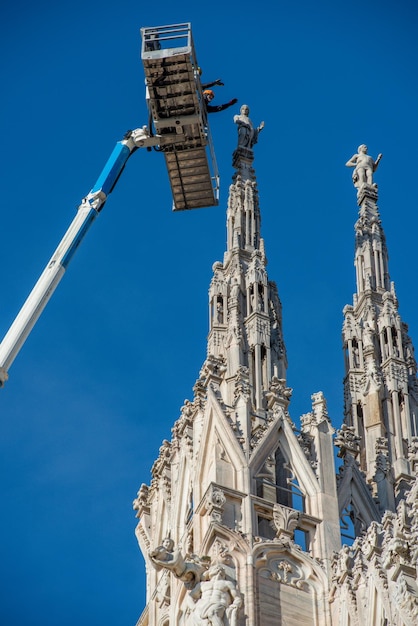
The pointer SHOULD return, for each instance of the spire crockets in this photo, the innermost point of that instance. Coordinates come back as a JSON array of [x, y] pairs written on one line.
[[245, 310], [381, 391]]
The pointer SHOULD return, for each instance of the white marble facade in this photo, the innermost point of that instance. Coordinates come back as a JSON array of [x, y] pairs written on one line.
[[242, 522]]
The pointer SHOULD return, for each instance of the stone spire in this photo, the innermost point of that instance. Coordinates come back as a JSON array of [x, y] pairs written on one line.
[[381, 392], [245, 310], [239, 503]]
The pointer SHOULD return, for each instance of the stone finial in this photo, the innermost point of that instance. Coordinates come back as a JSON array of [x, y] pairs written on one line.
[[278, 393], [319, 407], [364, 166], [347, 441], [141, 502]]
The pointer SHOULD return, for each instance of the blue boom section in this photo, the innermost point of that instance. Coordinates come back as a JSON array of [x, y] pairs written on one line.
[[104, 184], [113, 169]]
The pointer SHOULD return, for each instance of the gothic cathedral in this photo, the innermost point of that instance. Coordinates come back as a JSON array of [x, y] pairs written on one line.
[[245, 518]]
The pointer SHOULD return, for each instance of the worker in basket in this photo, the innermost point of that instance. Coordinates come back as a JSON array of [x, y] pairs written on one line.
[[208, 96]]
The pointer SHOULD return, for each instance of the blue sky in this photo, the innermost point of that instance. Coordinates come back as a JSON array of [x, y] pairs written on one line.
[[103, 375]]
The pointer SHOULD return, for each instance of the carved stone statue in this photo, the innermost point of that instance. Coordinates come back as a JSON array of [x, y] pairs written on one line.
[[247, 134], [215, 601], [170, 558], [364, 166]]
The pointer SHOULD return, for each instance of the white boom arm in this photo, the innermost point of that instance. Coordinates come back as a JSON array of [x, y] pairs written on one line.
[[88, 210]]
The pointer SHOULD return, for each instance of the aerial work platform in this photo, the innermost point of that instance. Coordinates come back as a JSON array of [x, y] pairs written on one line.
[[178, 115], [177, 127]]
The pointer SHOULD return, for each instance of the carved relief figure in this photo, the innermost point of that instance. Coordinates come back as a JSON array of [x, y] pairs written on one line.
[[368, 334], [216, 600], [369, 328], [364, 166], [247, 134]]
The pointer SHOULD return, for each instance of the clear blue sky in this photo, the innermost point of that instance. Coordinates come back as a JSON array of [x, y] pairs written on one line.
[[102, 377]]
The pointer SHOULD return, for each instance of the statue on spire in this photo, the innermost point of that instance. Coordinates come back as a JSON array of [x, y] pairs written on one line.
[[364, 166], [247, 134]]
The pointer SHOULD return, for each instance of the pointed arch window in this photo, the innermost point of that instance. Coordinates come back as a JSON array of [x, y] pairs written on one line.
[[288, 491], [277, 483]]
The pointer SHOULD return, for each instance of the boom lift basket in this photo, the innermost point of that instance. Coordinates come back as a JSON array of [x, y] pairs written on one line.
[[178, 114]]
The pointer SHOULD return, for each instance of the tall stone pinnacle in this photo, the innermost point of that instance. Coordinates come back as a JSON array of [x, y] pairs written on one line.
[[381, 392], [238, 496], [245, 310]]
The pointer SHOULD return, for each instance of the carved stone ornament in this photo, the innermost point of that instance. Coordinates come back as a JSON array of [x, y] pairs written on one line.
[[288, 572], [215, 501], [242, 383], [278, 393], [140, 504], [347, 441], [213, 369], [344, 563], [406, 600], [221, 553], [200, 391], [372, 540], [382, 457], [285, 521], [163, 459], [306, 443]]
